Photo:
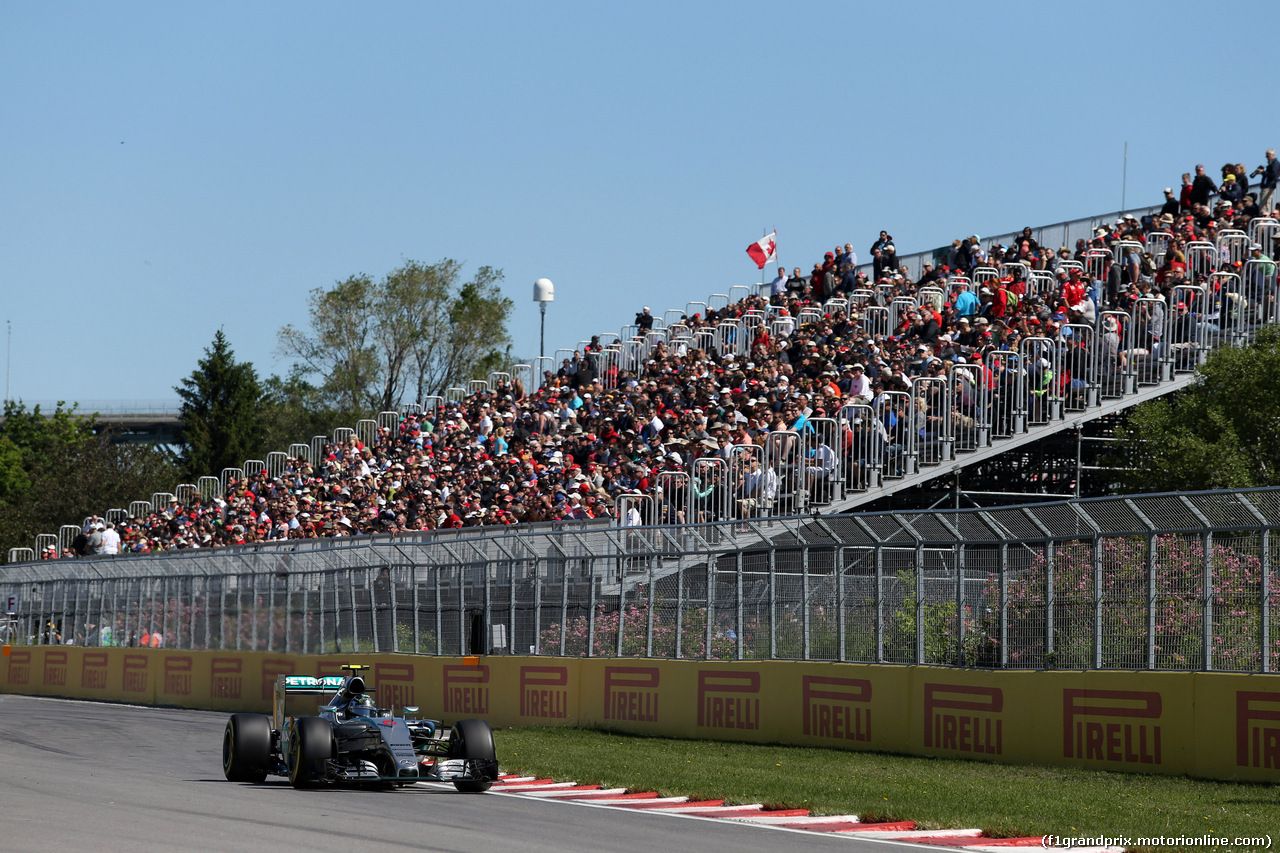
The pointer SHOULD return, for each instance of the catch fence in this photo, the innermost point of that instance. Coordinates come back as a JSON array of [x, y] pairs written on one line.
[[1151, 582]]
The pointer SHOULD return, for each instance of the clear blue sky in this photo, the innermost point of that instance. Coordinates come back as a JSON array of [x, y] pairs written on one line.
[[170, 169]]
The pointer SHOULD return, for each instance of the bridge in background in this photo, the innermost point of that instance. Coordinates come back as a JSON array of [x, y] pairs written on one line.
[[145, 421]]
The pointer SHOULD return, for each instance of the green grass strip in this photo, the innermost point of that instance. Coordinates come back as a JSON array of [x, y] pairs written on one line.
[[1002, 799]]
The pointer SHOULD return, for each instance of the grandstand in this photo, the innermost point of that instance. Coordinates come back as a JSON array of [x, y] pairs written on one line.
[[846, 388]]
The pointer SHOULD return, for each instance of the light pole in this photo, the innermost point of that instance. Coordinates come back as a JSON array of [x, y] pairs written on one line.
[[543, 292]]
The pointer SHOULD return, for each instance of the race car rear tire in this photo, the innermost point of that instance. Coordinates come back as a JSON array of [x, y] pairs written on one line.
[[312, 747], [246, 748], [473, 740]]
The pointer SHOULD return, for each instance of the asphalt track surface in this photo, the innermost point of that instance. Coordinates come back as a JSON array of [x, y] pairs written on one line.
[[95, 776]]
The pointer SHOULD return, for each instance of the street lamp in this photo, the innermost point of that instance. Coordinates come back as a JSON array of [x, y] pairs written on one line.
[[543, 292]]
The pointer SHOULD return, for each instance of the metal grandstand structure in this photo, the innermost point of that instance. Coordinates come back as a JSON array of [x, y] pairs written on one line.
[[972, 413]]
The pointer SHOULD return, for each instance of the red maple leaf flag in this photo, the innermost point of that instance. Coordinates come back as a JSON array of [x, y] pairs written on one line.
[[765, 251]]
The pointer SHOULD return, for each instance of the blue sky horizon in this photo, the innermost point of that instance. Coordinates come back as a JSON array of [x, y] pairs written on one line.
[[175, 170]]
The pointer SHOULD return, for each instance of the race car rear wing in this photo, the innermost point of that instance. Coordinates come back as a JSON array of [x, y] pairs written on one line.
[[307, 685]]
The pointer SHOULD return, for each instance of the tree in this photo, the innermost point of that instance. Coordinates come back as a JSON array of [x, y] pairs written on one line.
[[57, 468], [221, 425], [293, 410], [1221, 433], [415, 332]]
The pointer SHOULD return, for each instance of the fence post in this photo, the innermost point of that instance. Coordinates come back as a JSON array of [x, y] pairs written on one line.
[[1048, 602], [564, 608], [680, 608], [840, 626], [960, 620], [1004, 604], [462, 610], [738, 626], [271, 613], [1097, 602], [648, 639], [1151, 601], [355, 616], [622, 606], [487, 609], [591, 608], [511, 607], [804, 603], [439, 617], [711, 605], [773, 603], [1266, 601], [417, 610], [879, 626], [920, 601], [1207, 663]]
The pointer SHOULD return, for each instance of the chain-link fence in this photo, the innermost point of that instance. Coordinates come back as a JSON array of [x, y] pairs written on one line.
[[1167, 582]]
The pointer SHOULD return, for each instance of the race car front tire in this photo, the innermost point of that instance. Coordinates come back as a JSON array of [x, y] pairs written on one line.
[[246, 748], [473, 740], [312, 747]]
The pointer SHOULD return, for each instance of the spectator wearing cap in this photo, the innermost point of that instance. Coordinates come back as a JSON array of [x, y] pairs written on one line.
[[1231, 191], [856, 386]]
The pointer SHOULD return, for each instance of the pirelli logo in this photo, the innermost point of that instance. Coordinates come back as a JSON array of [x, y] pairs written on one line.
[[964, 718], [20, 666], [631, 693], [1111, 725], [836, 708], [544, 692], [226, 677], [177, 675], [135, 679], [1257, 729], [93, 671], [394, 683], [466, 689], [55, 668], [728, 699]]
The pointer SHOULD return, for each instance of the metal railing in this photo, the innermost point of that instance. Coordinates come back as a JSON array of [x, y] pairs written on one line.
[[1158, 582]]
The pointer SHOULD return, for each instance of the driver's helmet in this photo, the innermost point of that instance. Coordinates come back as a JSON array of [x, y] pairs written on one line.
[[362, 703]]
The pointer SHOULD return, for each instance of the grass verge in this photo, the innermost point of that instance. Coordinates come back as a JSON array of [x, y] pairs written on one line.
[[1004, 800]]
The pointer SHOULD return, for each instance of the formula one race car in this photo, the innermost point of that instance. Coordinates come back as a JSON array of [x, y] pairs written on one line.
[[352, 740]]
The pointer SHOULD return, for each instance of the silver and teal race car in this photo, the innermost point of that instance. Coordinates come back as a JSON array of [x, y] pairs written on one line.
[[351, 740]]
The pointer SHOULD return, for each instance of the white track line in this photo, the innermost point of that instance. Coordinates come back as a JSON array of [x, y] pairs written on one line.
[[584, 794], [728, 811], [766, 819]]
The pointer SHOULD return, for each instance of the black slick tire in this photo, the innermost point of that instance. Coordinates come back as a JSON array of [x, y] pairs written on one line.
[[246, 748], [312, 747], [473, 740]]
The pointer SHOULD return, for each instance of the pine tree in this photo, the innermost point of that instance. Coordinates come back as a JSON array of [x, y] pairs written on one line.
[[220, 412]]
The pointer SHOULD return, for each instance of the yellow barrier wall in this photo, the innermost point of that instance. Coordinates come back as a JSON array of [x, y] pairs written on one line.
[[1212, 725]]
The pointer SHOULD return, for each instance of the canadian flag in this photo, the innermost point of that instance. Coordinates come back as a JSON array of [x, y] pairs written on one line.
[[765, 251]]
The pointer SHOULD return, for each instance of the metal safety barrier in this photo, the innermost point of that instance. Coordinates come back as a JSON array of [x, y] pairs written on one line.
[[1174, 582]]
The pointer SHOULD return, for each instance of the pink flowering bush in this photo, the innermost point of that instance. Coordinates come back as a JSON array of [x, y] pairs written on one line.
[[1175, 615], [635, 631]]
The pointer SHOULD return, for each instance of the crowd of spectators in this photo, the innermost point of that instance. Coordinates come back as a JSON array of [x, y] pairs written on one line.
[[596, 429]]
